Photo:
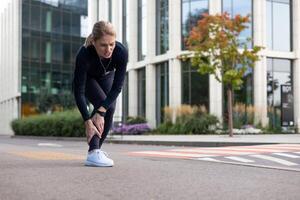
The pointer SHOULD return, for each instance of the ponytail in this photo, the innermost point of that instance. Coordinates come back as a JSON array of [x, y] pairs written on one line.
[[88, 40]]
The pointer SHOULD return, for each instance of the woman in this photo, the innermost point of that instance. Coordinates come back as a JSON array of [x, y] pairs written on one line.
[[99, 75]]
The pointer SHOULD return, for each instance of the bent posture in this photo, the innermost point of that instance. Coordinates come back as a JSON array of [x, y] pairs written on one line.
[[98, 77]]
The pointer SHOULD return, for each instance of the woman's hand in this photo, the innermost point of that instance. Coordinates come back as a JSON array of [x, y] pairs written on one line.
[[98, 121], [90, 130]]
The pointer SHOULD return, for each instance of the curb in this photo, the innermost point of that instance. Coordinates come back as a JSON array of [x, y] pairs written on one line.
[[149, 142], [186, 143]]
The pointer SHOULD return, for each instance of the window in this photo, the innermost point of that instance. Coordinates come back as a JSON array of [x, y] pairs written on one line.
[[109, 11], [162, 90], [190, 14], [243, 8], [162, 26], [279, 73], [142, 92], [35, 17], [194, 86], [51, 37], [125, 99], [243, 110], [125, 23], [279, 34], [142, 29]]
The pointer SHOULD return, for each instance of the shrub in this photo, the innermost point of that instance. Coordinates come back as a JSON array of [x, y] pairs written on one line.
[[68, 124], [187, 119], [200, 124], [131, 129], [135, 120]]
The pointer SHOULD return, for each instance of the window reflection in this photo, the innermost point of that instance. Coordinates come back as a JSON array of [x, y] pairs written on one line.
[[52, 32], [142, 92], [191, 13], [125, 100], [162, 90], [243, 8], [194, 86], [142, 29], [279, 25], [162, 26], [278, 73]]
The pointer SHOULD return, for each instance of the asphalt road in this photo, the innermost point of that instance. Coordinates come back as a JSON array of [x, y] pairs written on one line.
[[41, 169]]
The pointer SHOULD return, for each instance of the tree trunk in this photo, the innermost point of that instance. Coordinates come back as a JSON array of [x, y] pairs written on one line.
[[229, 109]]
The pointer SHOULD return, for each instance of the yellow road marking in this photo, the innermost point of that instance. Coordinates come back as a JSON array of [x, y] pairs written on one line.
[[47, 155]]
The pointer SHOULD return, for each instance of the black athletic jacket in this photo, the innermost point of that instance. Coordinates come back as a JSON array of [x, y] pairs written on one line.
[[88, 66]]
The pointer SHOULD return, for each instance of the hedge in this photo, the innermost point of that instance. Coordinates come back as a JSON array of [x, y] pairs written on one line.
[[67, 124]]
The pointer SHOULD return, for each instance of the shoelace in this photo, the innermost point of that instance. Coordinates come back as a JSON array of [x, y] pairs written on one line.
[[105, 153]]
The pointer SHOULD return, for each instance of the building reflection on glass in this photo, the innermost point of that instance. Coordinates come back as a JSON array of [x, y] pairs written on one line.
[[52, 32]]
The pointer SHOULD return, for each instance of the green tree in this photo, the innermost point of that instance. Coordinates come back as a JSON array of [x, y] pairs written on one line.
[[216, 49]]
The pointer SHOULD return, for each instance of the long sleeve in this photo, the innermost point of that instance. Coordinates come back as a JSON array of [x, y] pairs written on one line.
[[80, 76], [122, 59]]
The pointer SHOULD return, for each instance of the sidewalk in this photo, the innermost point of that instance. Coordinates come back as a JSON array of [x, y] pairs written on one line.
[[205, 140], [190, 140]]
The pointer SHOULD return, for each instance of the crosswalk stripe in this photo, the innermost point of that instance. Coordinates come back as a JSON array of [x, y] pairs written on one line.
[[257, 150], [277, 160], [207, 159], [239, 159], [283, 147], [173, 154], [209, 151], [287, 155]]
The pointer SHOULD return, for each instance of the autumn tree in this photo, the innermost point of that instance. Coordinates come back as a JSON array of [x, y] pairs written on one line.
[[217, 49]]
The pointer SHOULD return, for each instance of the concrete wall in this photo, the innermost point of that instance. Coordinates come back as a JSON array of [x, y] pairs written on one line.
[[10, 62]]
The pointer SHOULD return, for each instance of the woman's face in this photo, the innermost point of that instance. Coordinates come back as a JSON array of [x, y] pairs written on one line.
[[105, 46]]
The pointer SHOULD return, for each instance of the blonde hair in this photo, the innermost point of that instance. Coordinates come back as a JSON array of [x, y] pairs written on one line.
[[100, 29]]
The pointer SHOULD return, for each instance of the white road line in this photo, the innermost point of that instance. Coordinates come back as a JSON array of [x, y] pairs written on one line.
[[49, 145], [286, 155], [273, 159], [221, 151], [283, 147], [206, 159], [257, 149], [240, 159], [297, 152], [163, 153]]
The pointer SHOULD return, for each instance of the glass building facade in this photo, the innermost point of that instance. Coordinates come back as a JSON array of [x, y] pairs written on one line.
[[279, 25], [191, 12], [177, 82], [125, 100], [141, 95], [142, 29], [279, 73], [243, 8], [52, 32], [243, 96], [162, 90], [195, 87], [162, 26]]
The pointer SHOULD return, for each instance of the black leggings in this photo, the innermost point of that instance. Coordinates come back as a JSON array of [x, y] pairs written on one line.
[[96, 91]]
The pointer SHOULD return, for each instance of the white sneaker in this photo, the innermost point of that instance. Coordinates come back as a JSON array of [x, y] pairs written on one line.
[[98, 158]]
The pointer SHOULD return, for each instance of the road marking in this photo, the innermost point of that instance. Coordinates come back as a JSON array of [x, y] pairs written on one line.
[[47, 155], [286, 155], [207, 159], [171, 154], [239, 159], [273, 159], [219, 152], [49, 145], [259, 149]]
